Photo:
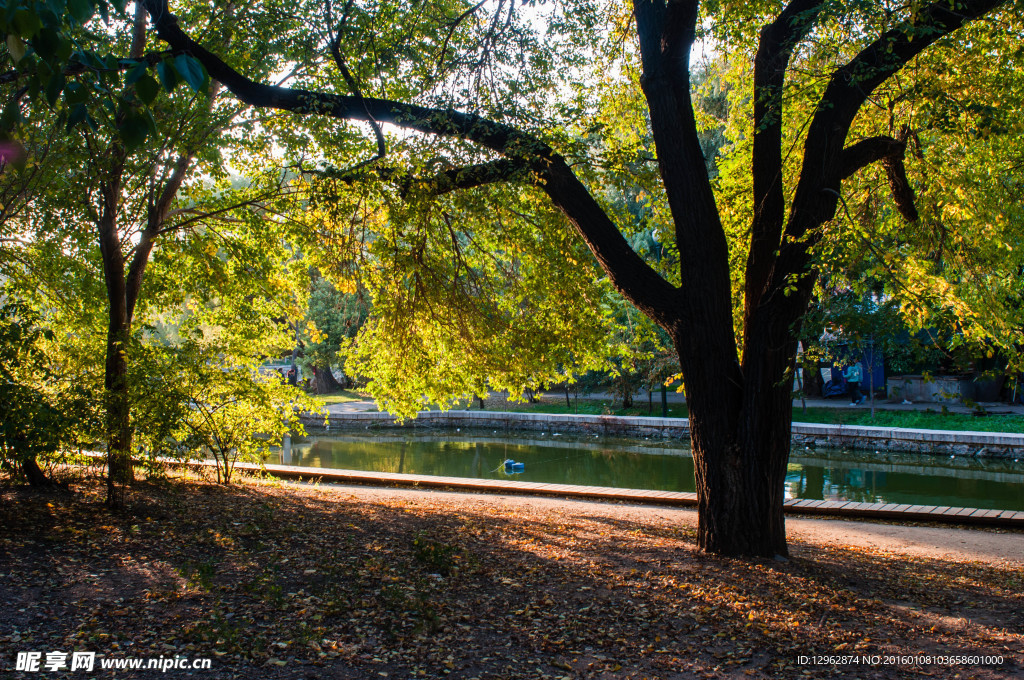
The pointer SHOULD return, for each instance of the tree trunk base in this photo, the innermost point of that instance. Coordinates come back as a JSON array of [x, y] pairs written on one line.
[[34, 475], [324, 381]]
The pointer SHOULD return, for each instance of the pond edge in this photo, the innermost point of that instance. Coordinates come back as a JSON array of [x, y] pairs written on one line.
[[813, 435], [844, 509]]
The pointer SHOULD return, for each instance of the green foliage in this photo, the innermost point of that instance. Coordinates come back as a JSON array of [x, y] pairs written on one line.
[[229, 410], [469, 297], [958, 267], [489, 287], [61, 53], [647, 359], [43, 411], [218, 266], [333, 319], [868, 321]]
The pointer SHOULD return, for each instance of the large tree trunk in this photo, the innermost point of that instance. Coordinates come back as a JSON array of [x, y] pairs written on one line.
[[34, 475], [325, 382], [740, 477], [740, 437]]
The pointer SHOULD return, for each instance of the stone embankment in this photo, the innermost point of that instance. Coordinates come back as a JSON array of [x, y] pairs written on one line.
[[950, 442]]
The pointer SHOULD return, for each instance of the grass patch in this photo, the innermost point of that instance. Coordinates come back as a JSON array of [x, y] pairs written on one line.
[[342, 397], [922, 420], [590, 407], [926, 420]]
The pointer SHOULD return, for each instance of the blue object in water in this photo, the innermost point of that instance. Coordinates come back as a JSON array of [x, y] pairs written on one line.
[[512, 466]]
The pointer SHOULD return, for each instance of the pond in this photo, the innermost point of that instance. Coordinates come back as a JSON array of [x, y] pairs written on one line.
[[664, 465]]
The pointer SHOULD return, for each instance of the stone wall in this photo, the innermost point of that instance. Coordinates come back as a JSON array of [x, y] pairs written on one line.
[[949, 442]]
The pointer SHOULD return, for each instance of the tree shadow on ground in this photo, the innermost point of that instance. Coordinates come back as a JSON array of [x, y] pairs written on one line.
[[292, 581]]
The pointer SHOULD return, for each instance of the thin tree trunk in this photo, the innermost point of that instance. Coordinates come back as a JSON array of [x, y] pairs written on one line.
[[115, 382], [118, 421]]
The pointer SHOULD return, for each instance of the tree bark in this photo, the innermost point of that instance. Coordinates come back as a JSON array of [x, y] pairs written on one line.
[[325, 381], [34, 475], [740, 472], [115, 381]]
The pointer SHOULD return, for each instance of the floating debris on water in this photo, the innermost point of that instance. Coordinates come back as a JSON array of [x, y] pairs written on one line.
[[513, 466]]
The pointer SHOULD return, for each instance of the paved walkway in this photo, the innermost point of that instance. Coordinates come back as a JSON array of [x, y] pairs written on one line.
[[885, 511]]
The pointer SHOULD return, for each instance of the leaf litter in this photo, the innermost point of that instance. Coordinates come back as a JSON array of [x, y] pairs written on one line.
[[277, 580]]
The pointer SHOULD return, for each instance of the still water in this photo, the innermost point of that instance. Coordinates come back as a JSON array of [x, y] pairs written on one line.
[[665, 465]]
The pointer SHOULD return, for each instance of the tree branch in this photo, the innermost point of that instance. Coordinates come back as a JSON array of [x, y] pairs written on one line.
[[775, 48], [444, 182], [199, 216], [628, 272], [78, 68], [868, 151], [890, 153], [339, 61], [446, 122], [470, 176], [666, 33], [848, 89]]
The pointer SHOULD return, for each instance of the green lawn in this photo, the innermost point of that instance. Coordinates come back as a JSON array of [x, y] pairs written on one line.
[[341, 397], [927, 420], [841, 415], [590, 407]]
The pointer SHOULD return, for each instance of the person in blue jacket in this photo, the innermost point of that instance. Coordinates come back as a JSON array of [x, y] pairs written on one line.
[[853, 378]]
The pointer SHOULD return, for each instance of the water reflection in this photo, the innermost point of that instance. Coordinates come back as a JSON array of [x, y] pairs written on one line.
[[994, 485], [664, 465]]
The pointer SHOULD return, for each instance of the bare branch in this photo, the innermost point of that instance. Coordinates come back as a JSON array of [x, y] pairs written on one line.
[[451, 30]]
